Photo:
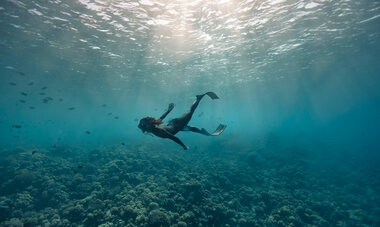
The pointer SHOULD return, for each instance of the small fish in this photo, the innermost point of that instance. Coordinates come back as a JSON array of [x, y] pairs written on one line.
[[60, 100], [54, 146], [21, 100], [104, 105], [23, 93], [109, 114], [363, 133], [46, 100], [12, 83], [16, 126], [20, 73], [42, 93], [31, 83], [116, 117], [33, 152], [136, 119], [71, 108], [151, 167], [31, 107], [43, 88], [88, 132], [122, 143], [50, 98], [80, 167], [201, 114], [75, 171]]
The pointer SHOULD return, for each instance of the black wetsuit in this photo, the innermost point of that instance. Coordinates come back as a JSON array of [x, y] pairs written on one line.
[[180, 124]]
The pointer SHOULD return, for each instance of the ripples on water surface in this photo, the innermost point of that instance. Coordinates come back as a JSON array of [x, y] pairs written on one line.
[[239, 41]]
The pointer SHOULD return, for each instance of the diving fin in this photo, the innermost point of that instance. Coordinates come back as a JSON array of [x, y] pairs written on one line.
[[212, 95], [219, 130]]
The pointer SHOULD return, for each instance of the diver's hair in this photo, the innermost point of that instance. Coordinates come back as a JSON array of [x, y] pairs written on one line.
[[150, 121]]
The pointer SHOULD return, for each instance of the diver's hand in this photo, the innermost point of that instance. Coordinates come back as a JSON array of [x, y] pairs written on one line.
[[171, 106]]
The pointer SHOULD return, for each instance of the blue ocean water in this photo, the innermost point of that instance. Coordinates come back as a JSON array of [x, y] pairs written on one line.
[[299, 90]]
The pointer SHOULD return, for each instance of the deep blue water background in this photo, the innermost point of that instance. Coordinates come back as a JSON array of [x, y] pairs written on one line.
[[306, 73]]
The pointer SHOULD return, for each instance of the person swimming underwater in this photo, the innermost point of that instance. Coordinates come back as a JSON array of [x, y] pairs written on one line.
[[153, 125]]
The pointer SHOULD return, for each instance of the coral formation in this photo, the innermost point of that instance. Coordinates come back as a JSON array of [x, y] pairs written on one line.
[[150, 186]]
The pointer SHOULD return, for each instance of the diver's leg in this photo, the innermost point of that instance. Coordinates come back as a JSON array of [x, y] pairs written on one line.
[[186, 117], [203, 131], [182, 121], [195, 129]]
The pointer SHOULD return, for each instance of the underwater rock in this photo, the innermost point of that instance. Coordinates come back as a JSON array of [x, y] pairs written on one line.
[[74, 213], [4, 209], [128, 213], [14, 222], [30, 221], [56, 220], [141, 219], [153, 206], [90, 220], [188, 217], [23, 179], [62, 150], [181, 224], [193, 192], [158, 218]]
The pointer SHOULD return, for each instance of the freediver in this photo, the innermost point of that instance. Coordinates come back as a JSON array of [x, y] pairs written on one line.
[[153, 125]]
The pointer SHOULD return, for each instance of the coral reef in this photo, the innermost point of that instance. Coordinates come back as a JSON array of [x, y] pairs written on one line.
[[267, 185]]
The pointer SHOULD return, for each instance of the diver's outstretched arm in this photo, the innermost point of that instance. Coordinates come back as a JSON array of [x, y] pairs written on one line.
[[160, 132], [177, 140], [170, 108]]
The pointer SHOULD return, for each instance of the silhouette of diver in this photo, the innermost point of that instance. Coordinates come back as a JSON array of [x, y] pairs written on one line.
[[153, 125]]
